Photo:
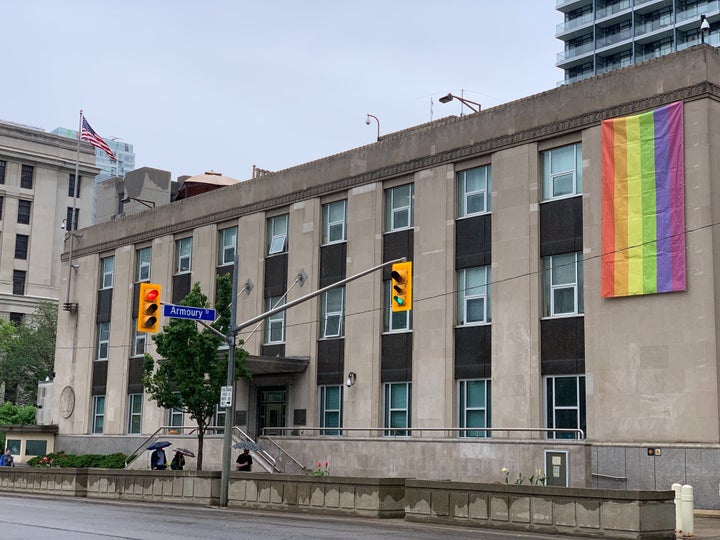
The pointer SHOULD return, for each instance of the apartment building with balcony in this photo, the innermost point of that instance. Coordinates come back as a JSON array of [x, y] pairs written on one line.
[[603, 35]]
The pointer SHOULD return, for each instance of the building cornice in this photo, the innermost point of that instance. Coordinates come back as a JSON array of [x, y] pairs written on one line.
[[704, 89]]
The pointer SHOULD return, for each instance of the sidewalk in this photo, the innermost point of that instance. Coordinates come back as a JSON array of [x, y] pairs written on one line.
[[706, 526]]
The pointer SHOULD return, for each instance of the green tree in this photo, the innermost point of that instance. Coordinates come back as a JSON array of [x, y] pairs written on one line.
[[27, 353], [192, 369], [15, 415]]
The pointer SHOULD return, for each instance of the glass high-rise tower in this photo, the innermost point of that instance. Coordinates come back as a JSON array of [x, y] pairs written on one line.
[[603, 35]]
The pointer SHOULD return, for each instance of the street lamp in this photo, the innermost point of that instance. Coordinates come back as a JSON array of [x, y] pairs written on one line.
[[144, 202], [367, 121], [704, 27], [469, 103]]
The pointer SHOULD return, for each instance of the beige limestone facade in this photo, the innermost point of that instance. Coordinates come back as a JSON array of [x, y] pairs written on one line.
[[628, 374], [35, 200]]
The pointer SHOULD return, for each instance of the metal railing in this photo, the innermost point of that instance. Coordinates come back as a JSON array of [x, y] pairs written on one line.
[[407, 432], [269, 459], [159, 432]]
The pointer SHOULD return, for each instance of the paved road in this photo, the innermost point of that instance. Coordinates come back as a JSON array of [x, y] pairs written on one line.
[[31, 518]]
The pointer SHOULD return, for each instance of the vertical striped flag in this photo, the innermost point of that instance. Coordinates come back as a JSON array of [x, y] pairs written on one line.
[[88, 134], [643, 203]]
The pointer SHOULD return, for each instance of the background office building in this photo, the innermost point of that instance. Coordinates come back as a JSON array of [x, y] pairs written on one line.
[[37, 185], [603, 35], [109, 168], [526, 335]]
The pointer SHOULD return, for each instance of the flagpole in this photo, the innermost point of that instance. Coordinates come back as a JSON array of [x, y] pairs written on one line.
[[70, 227]]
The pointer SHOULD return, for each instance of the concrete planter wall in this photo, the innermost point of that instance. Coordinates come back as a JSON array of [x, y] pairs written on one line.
[[369, 497], [588, 512], [579, 511]]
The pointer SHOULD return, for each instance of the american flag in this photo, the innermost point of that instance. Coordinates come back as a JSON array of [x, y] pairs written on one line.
[[88, 134]]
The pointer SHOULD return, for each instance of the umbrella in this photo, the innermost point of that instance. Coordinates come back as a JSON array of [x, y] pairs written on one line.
[[185, 452], [249, 445], [158, 444]]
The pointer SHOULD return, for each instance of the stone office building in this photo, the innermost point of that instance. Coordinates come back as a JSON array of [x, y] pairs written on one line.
[[501, 213]]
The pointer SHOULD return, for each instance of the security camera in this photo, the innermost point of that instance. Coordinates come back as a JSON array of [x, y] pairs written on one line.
[[62, 225]]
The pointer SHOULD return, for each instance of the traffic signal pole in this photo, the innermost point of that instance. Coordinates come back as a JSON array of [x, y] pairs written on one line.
[[230, 339]]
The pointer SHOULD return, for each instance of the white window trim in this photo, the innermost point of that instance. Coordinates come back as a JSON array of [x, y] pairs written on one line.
[[97, 415], [388, 410], [396, 210], [327, 224], [323, 410], [133, 414], [107, 275], [273, 320], [137, 338], [463, 408], [180, 259], [226, 246], [576, 408], [575, 193], [278, 240], [465, 297], [328, 314], [464, 193], [101, 341], [575, 286], [141, 266]]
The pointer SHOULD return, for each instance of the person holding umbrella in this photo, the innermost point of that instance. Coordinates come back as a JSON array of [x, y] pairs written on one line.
[[158, 461], [244, 461], [178, 461]]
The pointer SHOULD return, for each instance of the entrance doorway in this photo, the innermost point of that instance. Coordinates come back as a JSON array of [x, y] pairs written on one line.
[[272, 402]]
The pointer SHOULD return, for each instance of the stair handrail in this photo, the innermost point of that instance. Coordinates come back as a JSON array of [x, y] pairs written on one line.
[[155, 436], [283, 451], [267, 457]]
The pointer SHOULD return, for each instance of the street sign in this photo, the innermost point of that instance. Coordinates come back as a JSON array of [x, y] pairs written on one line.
[[188, 312], [226, 396]]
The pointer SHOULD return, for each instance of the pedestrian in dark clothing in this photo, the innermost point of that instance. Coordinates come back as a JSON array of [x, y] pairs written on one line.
[[244, 461], [158, 461]]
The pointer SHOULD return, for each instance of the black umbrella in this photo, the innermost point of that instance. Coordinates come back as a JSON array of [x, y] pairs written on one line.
[[185, 452], [158, 444], [247, 445]]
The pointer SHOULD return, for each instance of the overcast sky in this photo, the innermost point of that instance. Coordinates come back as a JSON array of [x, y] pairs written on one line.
[[222, 85]]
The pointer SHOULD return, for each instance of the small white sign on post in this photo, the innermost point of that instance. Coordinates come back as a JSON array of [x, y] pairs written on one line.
[[226, 396]]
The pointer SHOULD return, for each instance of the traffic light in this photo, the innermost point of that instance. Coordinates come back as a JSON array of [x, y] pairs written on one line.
[[149, 307], [401, 293]]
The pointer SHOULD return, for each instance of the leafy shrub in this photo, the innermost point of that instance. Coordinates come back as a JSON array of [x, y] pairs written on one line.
[[96, 461]]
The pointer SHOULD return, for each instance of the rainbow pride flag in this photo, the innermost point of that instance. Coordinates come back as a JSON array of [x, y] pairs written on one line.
[[643, 203]]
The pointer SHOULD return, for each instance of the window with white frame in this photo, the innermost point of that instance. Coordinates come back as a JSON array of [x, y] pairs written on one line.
[[183, 255], [474, 407], [562, 285], [398, 321], [473, 295], [107, 269], [334, 217], [562, 172], [274, 324], [218, 420], [397, 409], [143, 261], [98, 420], [277, 231], [331, 409], [399, 208], [473, 191], [135, 402], [139, 343], [332, 313], [227, 241], [175, 416], [103, 340], [565, 405]]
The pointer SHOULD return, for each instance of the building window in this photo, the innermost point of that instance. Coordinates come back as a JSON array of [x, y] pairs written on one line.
[[183, 255], [74, 189], [143, 260], [139, 343], [103, 340], [21, 246], [562, 285], [473, 295], [26, 176], [218, 420], [565, 405], [562, 172], [98, 414], [277, 230], [135, 402], [399, 321], [331, 409], [24, 212], [473, 191], [3, 166], [18, 282], [2, 199], [175, 417], [70, 223], [274, 324], [227, 241], [333, 311], [107, 268], [334, 217], [397, 409], [474, 407], [399, 208], [16, 318]]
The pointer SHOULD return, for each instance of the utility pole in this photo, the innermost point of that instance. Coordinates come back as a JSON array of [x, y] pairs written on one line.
[[230, 339]]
